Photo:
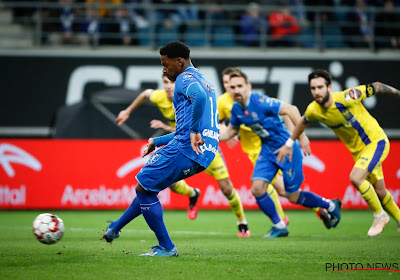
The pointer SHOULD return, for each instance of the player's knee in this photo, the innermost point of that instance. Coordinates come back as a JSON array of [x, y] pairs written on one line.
[[292, 197], [257, 190], [225, 186], [281, 191], [355, 180]]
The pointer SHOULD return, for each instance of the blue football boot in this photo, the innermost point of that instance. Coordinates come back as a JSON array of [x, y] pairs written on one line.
[[110, 234], [159, 251], [277, 232], [335, 214]]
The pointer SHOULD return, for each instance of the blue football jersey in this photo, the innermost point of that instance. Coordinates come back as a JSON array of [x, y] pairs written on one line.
[[209, 123], [261, 114]]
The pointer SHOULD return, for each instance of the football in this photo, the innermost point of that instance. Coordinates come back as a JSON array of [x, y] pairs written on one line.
[[48, 228]]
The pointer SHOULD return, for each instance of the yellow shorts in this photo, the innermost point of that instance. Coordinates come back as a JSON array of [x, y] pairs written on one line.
[[371, 158], [217, 168]]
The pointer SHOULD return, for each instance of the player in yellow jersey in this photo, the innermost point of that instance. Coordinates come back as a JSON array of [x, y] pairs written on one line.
[[344, 113], [251, 145], [217, 168]]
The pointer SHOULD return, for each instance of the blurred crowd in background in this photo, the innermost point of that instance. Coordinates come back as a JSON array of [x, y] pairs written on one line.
[[371, 24]]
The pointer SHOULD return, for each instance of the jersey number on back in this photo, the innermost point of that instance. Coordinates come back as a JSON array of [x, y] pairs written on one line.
[[216, 118], [259, 130]]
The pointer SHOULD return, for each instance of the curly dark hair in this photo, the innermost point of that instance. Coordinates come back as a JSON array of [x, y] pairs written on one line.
[[320, 73], [175, 49]]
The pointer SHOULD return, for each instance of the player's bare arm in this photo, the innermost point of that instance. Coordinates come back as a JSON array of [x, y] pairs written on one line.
[[381, 88], [124, 114], [150, 147], [227, 132], [159, 124], [231, 142], [287, 149], [291, 117]]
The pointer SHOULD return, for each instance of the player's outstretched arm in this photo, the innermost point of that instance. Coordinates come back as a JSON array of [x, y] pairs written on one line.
[[381, 88], [291, 116], [227, 132], [159, 124], [287, 149], [139, 100], [230, 142]]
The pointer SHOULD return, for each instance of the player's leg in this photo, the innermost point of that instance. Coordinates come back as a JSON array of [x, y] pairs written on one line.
[[152, 211], [263, 173], [376, 178], [219, 171], [236, 206], [267, 205], [276, 187], [293, 178], [160, 172], [183, 188], [387, 201], [113, 230], [252, 148], [367, 166], [358, 179]]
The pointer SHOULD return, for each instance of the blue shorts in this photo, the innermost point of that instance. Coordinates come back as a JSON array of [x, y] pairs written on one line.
[[266, 168], [165, 167]]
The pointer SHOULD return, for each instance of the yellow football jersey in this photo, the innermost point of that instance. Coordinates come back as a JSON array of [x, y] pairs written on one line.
[[348, 118], [250, 142], [160, 99]]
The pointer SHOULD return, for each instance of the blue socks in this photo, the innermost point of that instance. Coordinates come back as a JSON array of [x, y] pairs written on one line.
[[153, 213], [311, 200], [131, 213], [267, 205]]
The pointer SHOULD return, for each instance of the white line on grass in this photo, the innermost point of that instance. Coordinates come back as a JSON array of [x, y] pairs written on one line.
[[183, 232]]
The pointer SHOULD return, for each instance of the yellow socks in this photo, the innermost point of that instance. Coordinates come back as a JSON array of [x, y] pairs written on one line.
[[371, 198], [236, 205], [274, 195], [391, 207], [182, 188]]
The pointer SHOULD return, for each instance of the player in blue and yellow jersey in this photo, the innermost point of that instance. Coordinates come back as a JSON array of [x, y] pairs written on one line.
[[163, 100], [344, 113], [262, 114], [187, 151], [217, 169]]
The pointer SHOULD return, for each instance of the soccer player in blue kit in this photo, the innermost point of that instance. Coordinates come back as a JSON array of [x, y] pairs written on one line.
[[188, 151], [261, 113]]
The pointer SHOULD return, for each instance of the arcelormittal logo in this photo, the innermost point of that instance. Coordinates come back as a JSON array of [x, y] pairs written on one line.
[[10, 154]]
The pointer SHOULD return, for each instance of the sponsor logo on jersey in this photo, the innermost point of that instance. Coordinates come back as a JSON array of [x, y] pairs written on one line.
[[246, 112], [211, 134], [354, 93], [154, 158]]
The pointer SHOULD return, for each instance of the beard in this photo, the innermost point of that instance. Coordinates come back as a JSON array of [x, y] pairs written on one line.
[[324, 99]]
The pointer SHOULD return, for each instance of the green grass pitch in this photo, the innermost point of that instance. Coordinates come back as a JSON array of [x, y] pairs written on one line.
[[208, 246]]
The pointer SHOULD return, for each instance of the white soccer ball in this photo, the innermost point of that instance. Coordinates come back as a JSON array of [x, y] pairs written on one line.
[[48, 228]]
